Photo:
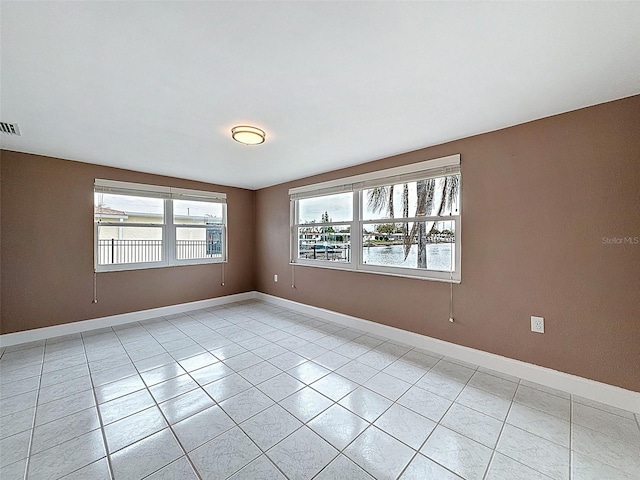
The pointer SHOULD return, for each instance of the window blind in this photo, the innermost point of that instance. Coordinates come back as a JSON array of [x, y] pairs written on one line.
[[156, 191], [404, 174]]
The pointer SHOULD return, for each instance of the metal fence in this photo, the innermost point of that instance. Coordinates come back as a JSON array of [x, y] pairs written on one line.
[[115, 251], [335, 253], [190, 249]]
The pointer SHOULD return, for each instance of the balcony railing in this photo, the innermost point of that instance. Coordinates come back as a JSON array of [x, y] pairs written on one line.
[[117, 251], [190, 249]]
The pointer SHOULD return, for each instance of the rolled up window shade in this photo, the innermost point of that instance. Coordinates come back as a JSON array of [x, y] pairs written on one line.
[[156, 191], [439, 167]]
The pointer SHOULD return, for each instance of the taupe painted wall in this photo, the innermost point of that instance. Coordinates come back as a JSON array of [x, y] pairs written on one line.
[[47, 247], [538, 199]]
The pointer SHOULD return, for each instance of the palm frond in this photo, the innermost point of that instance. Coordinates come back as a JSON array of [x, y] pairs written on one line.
[[378, 199]]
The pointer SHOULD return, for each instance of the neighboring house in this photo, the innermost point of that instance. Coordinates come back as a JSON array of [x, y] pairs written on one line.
[[130, 242]]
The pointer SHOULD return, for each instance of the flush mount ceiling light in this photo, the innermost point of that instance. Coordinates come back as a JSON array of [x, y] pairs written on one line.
[[248, 135]]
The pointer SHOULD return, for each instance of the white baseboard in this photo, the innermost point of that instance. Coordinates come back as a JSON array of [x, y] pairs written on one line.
[[36, 334], [600, 392]]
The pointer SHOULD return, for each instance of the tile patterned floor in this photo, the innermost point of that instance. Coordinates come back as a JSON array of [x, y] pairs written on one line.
[[252, 391]]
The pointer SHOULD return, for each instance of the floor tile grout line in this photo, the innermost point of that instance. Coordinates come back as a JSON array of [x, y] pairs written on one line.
[[513, 401], [100, 422], [169, 425], [438, 423], [264, 452], [547, 390], [519, 461], [571, 438], [33, 421], [248, 350], [309, 385], [595, 407], [571, 423], [417, 451], [607, 434], [494, 450], [236, 424], [538, 408], [395, 402], [370, 424]]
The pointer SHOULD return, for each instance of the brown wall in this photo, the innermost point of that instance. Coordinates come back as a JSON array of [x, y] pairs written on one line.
[[47, 247], [538, 199]]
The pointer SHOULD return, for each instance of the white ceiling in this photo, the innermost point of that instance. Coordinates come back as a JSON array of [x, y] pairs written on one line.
[[156, 87]]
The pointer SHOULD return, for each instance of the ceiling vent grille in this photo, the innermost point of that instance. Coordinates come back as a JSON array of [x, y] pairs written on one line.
[[10, 128]]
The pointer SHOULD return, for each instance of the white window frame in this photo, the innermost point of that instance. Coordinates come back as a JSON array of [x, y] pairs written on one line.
[[319, 261], [169, 228], [436, 168]]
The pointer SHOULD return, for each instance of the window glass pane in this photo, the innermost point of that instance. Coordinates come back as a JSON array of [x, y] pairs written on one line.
[[391, 201], [429, 245], [196, 213], [325, 243], [193, 242], [128, 209], [330, 208], [127, 244], [432, 197]]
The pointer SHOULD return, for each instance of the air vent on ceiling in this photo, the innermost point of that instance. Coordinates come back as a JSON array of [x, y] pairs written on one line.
[[10, 128]]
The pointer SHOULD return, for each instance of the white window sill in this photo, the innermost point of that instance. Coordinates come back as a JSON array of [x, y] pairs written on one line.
[[350, 268], [125, 267]]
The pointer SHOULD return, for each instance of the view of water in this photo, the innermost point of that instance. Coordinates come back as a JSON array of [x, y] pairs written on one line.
[[438, 256]]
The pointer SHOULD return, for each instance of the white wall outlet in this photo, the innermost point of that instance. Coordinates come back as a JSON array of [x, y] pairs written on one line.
[[537, 324], [275, 278]]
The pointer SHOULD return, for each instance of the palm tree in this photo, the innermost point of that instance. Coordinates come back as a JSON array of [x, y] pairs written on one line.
[[380, 198], [425, 190]]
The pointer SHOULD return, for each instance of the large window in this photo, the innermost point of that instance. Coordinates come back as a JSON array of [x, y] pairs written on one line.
[[145, 226], [401, 221]]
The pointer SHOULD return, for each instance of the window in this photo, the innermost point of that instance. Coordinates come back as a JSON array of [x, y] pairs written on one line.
[[324, 227], [146, 226], [401, 221]]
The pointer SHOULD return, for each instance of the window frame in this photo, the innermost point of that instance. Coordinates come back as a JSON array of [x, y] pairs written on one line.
[[436, 168], [168, 227]]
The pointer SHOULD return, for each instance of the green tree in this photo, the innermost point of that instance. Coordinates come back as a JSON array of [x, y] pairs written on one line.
[[386, 228]]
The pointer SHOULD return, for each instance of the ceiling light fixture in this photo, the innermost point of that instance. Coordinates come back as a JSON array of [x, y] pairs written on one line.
[[248, 135]]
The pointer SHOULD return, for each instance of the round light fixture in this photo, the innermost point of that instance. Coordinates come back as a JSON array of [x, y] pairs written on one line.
[[248, 135]]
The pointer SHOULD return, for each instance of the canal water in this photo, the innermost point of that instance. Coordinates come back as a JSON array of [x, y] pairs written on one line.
[[438, 256]]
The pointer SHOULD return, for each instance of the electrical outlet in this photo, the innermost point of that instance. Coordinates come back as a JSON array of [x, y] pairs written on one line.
[[537, 324], [275, 278]]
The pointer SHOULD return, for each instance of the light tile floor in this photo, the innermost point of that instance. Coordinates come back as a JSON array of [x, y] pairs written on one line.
[[252, 391]]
